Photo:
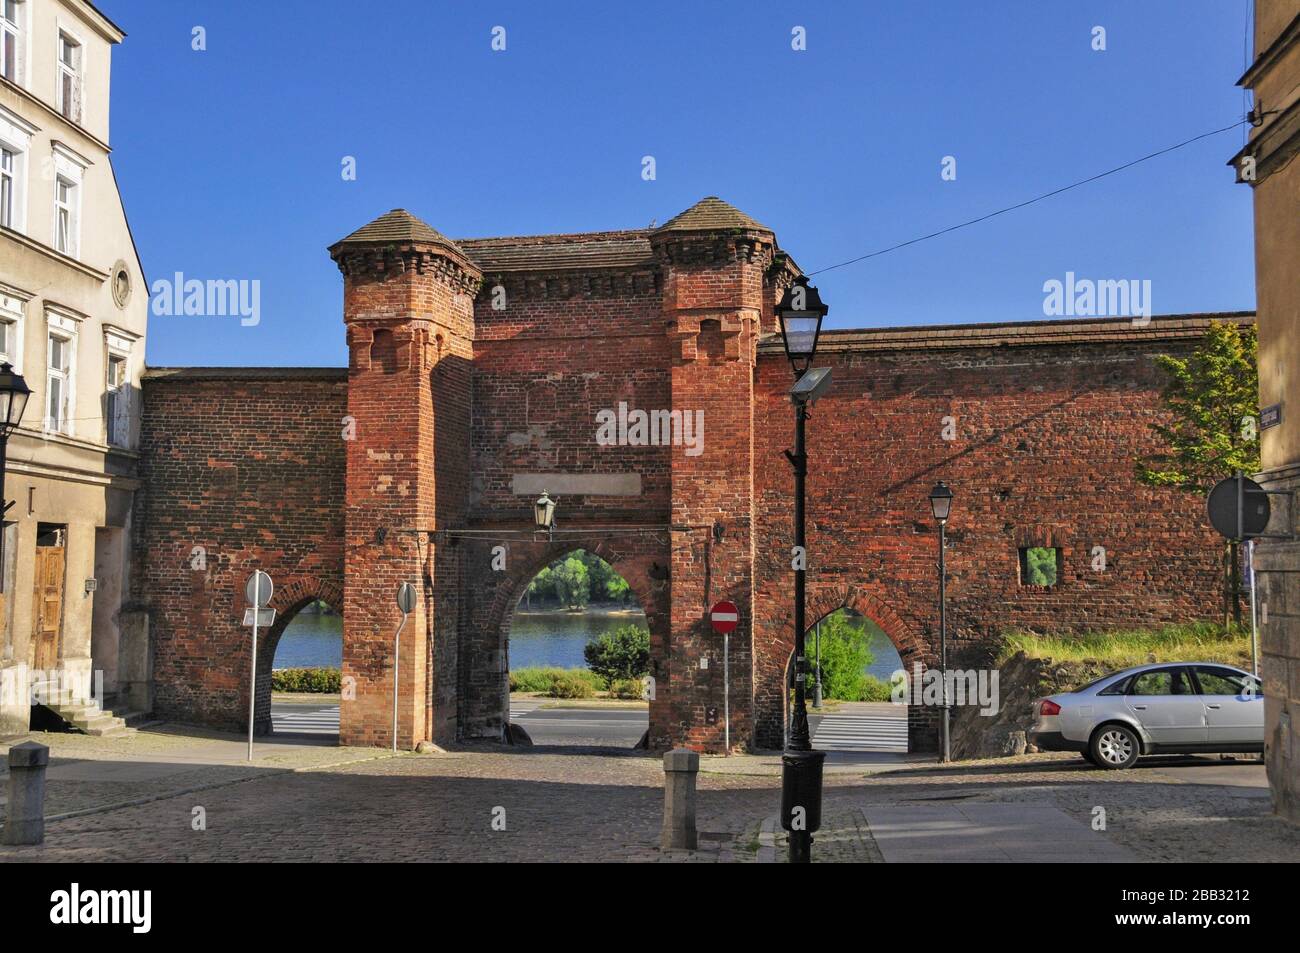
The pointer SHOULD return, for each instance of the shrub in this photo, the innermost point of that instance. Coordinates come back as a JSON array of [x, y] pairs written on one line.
[[626, 688], [621, 654], [314, 680], [876, 689], [571, 685]]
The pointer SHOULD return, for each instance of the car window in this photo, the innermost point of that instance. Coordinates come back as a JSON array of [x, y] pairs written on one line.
[[1119, 688], [1162, 681], [1095, 682], [1224, 681]]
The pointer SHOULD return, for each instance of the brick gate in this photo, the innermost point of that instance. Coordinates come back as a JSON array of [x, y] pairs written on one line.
[[481, 372]]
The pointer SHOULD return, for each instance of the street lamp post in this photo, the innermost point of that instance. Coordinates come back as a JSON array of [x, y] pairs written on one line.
[[817, 668], [13, 401], [801, 312], [941, 506]]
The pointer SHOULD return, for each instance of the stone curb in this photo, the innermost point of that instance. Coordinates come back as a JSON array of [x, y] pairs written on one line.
[[766, 842]]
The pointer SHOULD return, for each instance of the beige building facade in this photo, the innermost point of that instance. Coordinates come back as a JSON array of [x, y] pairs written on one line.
[[73, 306], [1268, 163]]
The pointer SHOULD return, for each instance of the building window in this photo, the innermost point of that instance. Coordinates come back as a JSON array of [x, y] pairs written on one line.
[[65, 216], [1040, 565], [69, 77], [11, 39], [117, 411], [11, 326], [8, 185], [15, 143], [59, 385], [8, 339]]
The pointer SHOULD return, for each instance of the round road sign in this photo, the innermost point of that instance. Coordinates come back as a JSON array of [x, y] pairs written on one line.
[[1222, 507], [724, 617], [258, 593], [406, 598]]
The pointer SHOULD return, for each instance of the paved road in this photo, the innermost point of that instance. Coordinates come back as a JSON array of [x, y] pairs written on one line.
[[617, 728], [297, 719], [614, 727]]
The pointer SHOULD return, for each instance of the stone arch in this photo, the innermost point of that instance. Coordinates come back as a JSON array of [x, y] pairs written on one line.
[[911, 647], [909, 644], [635, 563], [288, 600]]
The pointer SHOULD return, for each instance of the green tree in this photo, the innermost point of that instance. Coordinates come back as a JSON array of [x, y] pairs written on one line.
[[572, 583], [618, 589], [845, 657], [1211, 400], [621, 654]]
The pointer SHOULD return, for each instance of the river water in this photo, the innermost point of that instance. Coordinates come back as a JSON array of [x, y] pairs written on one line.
[[536, 639]]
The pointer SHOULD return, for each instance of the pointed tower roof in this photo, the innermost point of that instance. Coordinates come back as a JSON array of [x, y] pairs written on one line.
[[395, 227], [708, 214]]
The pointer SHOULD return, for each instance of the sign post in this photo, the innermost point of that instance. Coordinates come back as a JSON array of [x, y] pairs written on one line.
[[1254, 631], [257, 591], [724, 617], [406, 603]]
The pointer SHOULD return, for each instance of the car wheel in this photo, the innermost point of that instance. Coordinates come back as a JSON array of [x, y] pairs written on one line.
[[1114, 746], [1086, 753]]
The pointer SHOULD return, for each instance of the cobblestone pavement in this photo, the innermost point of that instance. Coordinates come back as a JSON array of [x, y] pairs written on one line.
[[571, 804]]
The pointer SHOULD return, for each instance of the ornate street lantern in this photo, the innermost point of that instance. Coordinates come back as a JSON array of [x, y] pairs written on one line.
[[800, 312]]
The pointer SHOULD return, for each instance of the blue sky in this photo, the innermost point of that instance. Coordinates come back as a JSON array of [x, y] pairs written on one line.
[[229, 159]]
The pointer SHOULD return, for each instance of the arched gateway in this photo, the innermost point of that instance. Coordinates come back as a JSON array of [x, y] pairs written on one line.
[[636, 377]]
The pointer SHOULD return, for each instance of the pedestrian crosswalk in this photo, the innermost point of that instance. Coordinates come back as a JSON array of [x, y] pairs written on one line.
[[522, 706], [305, 720], [860, 732]]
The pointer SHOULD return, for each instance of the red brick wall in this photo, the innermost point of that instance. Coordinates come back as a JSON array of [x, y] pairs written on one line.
[[544, 365], [1043, 456], [249, 466]]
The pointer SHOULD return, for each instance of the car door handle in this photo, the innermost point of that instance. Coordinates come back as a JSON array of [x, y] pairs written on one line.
[[1213, 706], [1140, 707]]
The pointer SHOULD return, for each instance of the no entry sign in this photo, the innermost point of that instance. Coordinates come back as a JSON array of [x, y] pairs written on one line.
[[724, 617]]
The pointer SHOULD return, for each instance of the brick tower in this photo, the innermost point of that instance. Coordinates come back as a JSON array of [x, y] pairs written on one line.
[[408, 308], [714, 260]]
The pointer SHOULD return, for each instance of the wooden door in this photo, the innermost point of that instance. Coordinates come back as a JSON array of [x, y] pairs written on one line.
[[47, 616]]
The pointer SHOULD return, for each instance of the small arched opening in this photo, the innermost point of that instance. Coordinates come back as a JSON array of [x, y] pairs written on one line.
[[299, 664]]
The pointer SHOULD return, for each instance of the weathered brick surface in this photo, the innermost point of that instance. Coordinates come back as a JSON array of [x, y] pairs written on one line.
[[1045, 439], [248, 466], [466, 371]]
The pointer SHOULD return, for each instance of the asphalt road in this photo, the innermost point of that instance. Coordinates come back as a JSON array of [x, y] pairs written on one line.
[[616, 728]]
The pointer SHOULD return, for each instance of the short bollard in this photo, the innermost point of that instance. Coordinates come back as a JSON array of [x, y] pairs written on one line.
[[680, 768], [25, 813]]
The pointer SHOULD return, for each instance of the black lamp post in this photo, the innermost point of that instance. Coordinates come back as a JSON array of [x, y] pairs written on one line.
[[941, 506], [800, 312], [13, 401], [544, 514]]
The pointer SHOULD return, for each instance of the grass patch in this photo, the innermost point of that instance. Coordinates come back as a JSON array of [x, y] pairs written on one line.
[[1194, 642], [557, 682]]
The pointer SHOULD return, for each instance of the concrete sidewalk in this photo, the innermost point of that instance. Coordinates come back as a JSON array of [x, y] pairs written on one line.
[[987, 833]]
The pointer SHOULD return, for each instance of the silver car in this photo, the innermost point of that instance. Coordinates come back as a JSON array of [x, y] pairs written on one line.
[[1172, 708]]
